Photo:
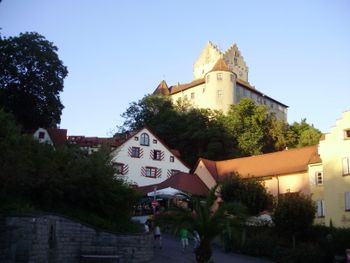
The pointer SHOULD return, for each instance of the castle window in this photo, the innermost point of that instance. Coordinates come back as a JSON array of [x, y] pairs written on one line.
[[192, 96], [136, 138], [219, 76], [347, 134], [235, 61], [346, 166], [172, 159], [219, 94], [232, 78], [155, 141], [319, 178], [144, 139]]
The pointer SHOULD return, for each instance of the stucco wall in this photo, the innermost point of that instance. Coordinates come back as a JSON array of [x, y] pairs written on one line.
[[332, 150], [54, 239]]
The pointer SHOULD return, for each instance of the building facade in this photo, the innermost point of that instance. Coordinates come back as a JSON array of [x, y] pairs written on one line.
[[220, 80], [144, 159], [335, 153]]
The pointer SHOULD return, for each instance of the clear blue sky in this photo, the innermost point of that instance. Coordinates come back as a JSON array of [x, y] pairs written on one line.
[[297, 51]]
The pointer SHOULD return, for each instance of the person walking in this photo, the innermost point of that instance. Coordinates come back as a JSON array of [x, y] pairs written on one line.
[[157, 237], [196, 240], [184, 238]]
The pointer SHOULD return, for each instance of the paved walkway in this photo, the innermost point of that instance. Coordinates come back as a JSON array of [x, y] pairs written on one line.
[[171, 252]]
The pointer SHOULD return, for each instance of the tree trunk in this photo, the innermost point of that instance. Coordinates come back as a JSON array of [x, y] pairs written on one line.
[[203, 252]]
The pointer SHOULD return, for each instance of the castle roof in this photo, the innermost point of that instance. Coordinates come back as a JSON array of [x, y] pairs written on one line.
[[162, 89], [220, 65]]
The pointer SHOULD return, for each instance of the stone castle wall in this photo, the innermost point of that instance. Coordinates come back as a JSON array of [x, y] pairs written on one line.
[[54, 239]]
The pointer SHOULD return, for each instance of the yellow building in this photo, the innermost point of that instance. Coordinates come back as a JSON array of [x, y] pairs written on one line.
[[220, 79], [335, 154]]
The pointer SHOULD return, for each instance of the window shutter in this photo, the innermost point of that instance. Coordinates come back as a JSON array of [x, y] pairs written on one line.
[[347, 201], [346, 165]]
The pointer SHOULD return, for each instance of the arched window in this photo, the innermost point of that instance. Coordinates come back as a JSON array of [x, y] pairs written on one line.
[[144, 140]]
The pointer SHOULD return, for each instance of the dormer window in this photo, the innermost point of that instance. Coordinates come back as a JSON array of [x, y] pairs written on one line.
[[144, 139]]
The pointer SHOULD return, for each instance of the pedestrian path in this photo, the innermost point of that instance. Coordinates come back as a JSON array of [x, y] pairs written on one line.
[[171, 252]]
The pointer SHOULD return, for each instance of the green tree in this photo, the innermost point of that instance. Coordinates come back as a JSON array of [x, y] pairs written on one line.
[[194, 132], [249, 192], [302, 134], [294, 214], [250, 125], [31, 79], [64, 180]]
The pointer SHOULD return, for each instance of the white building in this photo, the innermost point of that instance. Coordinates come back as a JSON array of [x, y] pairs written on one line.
[[144, 159]]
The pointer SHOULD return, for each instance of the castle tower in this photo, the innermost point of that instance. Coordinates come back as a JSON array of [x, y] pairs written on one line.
[[210, 55], [220, 84]]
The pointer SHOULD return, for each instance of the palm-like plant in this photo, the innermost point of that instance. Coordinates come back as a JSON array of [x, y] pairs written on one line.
[[208, 222]]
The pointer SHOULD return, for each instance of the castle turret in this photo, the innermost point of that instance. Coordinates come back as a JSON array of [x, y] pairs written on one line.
[[220, 86]]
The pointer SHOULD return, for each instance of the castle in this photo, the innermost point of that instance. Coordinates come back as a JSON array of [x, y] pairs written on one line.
[[220, 79]]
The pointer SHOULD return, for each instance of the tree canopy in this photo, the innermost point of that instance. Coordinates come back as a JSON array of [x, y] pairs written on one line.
[[31, 79], [249, 192], [64, 180], [247, 129]]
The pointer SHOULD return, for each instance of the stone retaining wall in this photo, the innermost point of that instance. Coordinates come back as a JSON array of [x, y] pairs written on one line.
[[56, 239]]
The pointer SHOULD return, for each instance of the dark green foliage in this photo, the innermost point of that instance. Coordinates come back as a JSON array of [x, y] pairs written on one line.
[[294, 213], [247, 129], [36, 176], [194, 132], [249, 192], [302, 134], [31, 79]]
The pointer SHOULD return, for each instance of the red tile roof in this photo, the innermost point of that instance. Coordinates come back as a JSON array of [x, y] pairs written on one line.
[[220, 65], [162, 88], [58, 136], [271, 164], [185, 182]]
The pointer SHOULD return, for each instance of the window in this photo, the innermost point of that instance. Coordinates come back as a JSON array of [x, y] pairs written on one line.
[[136, 138], [157, 155], [172, 159], [155, 141], [173, 171], [192, 96], [219, 76], [232, 78], [347, 134], [346, 166], [144, 139], [235, 61], [219, 94], [41, 135], [151, 172], [119, 167], [320, 208], [319, 178], [347, 201], [135, 152]]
